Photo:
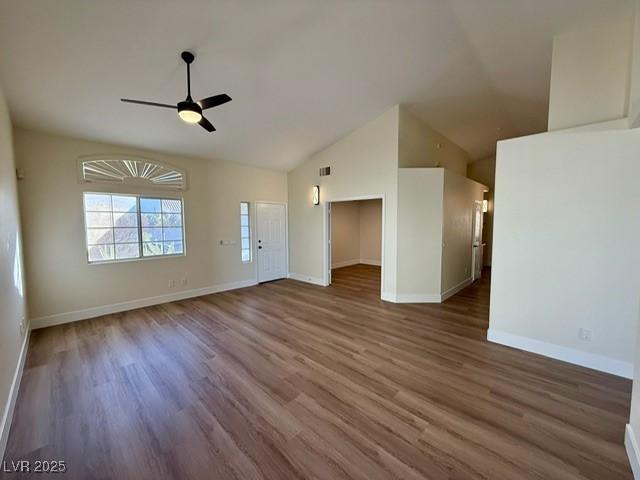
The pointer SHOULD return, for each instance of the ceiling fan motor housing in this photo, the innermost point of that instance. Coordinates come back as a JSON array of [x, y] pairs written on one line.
[[187, 56], [190, 111]]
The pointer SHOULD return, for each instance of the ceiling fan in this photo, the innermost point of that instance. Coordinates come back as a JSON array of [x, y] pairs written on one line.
[[188, 110]]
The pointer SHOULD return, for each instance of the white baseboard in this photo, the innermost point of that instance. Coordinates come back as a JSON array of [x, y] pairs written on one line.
[[566, 354], [357, 261], [7, 415], [631, 445], [60, 318], [388, 296], [411, 297], [346, 263], [418, 298], [455, 289], [307, 279], [368, 261]]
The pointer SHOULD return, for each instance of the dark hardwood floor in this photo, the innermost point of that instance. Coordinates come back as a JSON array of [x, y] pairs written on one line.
[[288, 380]]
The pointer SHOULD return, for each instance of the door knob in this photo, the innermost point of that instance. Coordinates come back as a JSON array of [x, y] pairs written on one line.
[[259, 247]]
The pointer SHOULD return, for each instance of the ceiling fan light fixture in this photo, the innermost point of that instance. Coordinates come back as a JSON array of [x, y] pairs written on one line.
[[190, 112]]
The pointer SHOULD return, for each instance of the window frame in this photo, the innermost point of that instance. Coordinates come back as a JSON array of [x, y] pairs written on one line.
[[139, 218], [248, 215]]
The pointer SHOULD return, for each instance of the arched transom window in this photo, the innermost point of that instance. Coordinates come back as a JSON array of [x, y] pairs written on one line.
[[131, 171]]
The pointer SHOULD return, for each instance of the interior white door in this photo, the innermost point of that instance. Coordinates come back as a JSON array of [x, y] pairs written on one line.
[[271, 220], [476, 259]]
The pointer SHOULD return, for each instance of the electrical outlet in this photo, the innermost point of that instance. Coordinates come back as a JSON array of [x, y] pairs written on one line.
[[585, 334], [184, 282], [172, 283]]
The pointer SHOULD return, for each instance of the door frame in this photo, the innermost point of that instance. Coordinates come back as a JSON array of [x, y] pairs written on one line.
[[479, 249], [326, 244], [254, 240]]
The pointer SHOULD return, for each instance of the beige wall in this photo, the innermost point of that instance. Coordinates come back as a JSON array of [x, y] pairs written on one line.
[[12, 297], [418, 146], [345, 233], [420, 210], [591, 70], [371, 161], [460, 195], [484, 171], [59, 278], [435, 213], [370, 231], [566, 235], [362, 163]]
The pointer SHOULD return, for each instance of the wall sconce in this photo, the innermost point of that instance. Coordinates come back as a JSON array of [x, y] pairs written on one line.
[[485, 206], [316, 194]]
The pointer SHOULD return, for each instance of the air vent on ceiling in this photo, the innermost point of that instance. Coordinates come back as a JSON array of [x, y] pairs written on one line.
[[324, 171]]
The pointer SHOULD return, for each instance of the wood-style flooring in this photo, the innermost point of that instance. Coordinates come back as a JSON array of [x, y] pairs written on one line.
[[288, 380]]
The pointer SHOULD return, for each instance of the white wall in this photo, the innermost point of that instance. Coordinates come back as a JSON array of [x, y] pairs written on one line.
[[420, 210], [634, 87], [591, 70], [345, 234], [484, 172], [566, 236], [59, 278], [632, 436], [370, 231], [12, 292], [418, 146], [362, 163], [460, 195]]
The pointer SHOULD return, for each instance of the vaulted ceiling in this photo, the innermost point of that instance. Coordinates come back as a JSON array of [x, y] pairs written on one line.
[[302, 73]]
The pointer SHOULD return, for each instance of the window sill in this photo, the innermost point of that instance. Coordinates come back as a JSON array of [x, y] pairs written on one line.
[[141, 259]]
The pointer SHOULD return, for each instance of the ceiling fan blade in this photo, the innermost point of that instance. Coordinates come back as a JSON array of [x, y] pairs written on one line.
[[206, 124], [214, 101], [153, 104]]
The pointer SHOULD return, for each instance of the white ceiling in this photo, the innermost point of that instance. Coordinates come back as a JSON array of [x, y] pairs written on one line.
[[302, 73]]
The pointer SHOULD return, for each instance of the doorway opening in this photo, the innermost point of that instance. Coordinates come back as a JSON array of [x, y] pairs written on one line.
[[477, 255], [355, 245]]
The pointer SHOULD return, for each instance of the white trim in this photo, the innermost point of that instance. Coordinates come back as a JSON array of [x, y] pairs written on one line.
[[418, 298], [7, 416], [633, 453], [388, 296], [367, 261], [93, 312], [565, 354], [286, 237], [346, 263], [411, 297], [307, 279], [456, 288]]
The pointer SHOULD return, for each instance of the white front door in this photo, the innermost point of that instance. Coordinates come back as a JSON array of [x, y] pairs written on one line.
[[477, 242], [271, 220]]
